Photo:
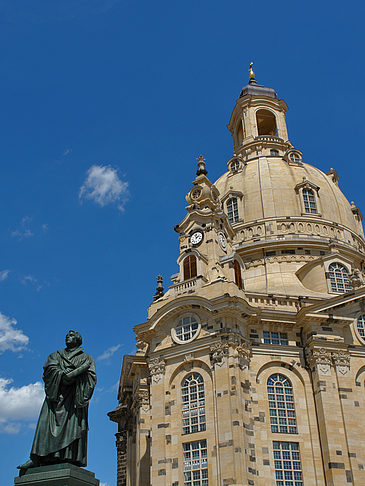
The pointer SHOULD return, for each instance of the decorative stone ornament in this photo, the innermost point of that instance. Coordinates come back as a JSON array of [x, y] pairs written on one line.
[[321, 358], [157, 367], [218, 353], [222, 240], [159, 289], [142, 398], [341, 360], [355, 279]]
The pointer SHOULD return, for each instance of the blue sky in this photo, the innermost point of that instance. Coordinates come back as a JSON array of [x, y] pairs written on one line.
[[105, 104]]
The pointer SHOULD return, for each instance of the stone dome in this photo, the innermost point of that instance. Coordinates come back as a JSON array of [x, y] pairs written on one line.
[[270, 188], [292, 224]]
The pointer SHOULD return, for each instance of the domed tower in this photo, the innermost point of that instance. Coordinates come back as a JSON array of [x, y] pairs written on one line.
[[250, 369]]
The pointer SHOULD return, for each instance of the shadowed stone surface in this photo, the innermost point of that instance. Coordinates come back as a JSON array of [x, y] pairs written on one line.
[[57, 475]]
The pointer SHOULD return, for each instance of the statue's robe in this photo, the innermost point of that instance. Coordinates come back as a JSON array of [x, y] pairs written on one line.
[[61, 433]]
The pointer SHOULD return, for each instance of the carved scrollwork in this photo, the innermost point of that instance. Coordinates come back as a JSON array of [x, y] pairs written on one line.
[[321, 358], [157, 369], [341, 360], [355, 279], [141, 346], [142, 399], [218, 353]]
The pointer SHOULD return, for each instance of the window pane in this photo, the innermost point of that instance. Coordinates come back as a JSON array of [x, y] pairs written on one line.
[[338, 276], [281, 405], [287, 464], [193, 414], [195, 463]]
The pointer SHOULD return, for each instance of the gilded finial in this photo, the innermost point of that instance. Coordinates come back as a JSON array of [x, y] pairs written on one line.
[[251, 74], [201, 166]]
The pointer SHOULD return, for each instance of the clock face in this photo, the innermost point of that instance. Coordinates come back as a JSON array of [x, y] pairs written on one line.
[[196, 238], [222, 240]]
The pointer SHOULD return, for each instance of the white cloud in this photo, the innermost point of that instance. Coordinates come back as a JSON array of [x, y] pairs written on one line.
[[108, 353], [4, 275], [23, 231], [104, 484], [17, 404], [30, 280], [104, 186], [11, 338], [26, 229]]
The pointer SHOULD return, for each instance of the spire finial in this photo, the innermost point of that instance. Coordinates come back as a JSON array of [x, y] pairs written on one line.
[[159, 289], [251, 74], [201, 166]]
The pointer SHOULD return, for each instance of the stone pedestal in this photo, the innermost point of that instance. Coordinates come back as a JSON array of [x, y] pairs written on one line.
[[57, 475]]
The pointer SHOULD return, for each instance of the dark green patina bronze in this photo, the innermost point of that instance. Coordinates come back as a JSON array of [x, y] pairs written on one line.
[[61, 434]]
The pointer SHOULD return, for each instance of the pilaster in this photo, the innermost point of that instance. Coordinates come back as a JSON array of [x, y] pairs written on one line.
[[328, 365]]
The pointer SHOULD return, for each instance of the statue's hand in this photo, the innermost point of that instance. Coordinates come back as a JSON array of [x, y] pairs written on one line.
[[68, 378], [71, 375]]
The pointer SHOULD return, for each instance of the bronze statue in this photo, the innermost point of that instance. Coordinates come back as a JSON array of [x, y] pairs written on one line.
[[61, 433]]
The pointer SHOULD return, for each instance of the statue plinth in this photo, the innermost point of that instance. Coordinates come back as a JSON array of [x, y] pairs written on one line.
[[64, 474]]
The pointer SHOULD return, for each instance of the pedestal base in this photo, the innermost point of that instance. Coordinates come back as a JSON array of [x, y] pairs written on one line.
[[57, 475]]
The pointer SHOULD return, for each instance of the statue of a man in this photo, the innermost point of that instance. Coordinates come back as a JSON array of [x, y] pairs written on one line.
[[61, 433]]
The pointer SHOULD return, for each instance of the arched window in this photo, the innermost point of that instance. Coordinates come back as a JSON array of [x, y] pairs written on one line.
[[235, 165], [294, 157], [193, 403], [266, 123], [360, 327], [232, 210], [339, 277], [239, 133], [281, 405], [309, 201], [190, 267], [237, 274]]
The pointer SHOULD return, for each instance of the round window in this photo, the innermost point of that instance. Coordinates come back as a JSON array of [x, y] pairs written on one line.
[[187, 329], [196, 193], [360, 328]]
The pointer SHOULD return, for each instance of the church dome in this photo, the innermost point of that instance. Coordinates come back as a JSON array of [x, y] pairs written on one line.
[[293, 227], [270, 187]]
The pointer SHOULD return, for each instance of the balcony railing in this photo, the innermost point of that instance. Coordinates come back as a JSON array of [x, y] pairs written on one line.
[[269, 138], [188, 286]]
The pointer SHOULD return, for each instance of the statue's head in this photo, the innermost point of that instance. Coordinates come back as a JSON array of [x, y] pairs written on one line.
[[73, 339]]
